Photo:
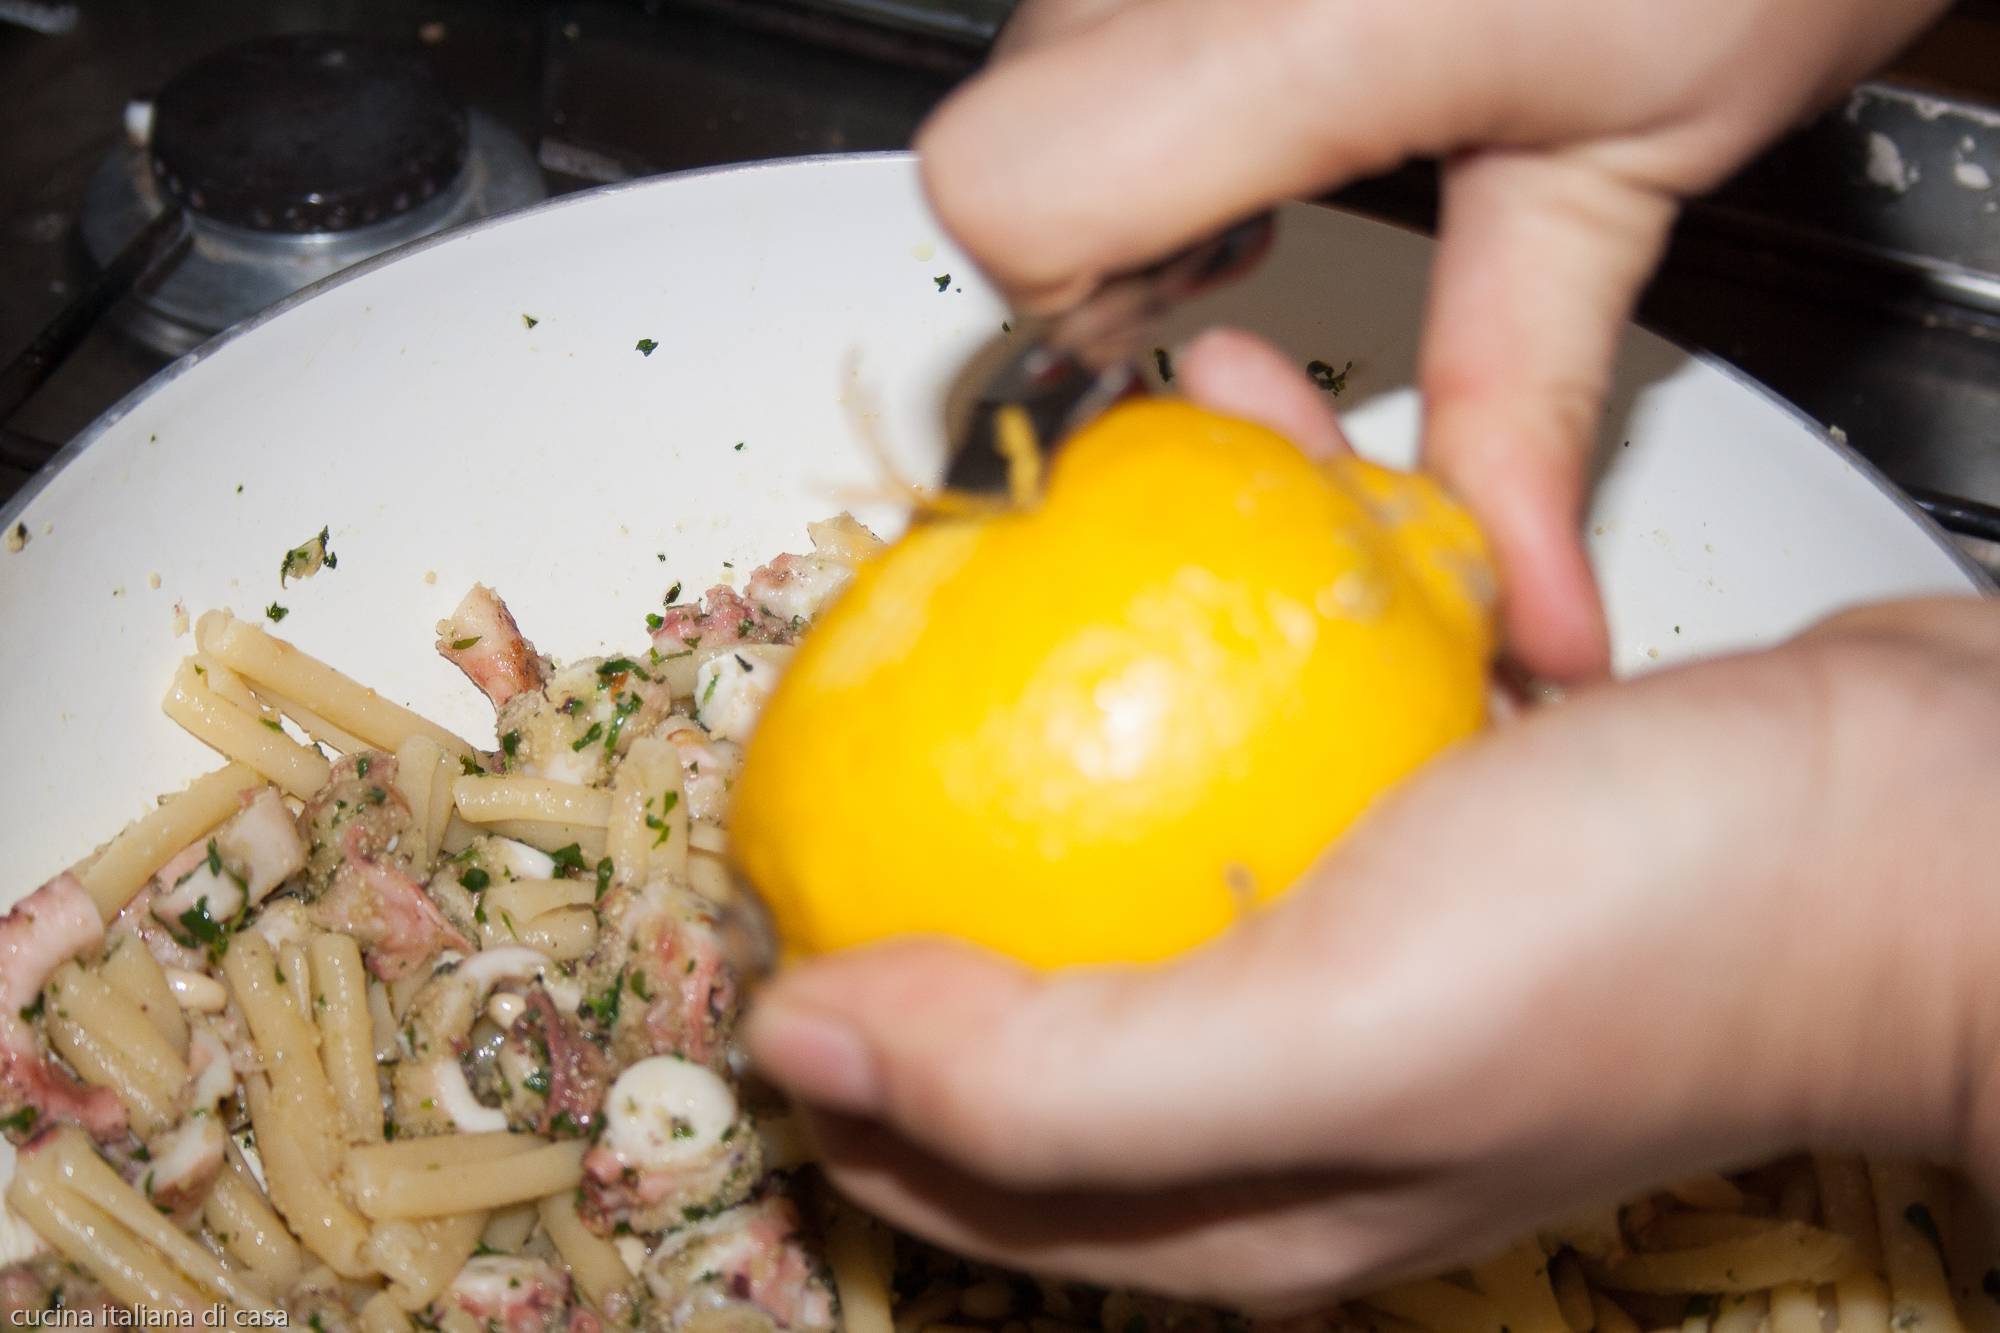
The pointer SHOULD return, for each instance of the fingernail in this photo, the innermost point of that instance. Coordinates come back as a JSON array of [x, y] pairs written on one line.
[[815, 1056]]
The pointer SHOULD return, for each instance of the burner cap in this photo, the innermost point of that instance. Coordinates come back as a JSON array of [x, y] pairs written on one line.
[[311, 132]]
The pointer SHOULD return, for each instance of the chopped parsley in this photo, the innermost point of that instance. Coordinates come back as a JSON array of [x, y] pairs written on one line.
[[709, 693], [1327, 378], [475, 879], [307, 559], [654, 620], [619, 666], [33, 1010], [510, 744], [203, 930], [537, 1081], [20, 1121], [374, 796], [1006, 326], [567, 859], [646, 346], [564, 1123], [604, 1008], [674, 591], [683, 1130], [596, 730], [668, 800], [1165, 364], [603, 877], [460, 645], [739, 447], [470, 766], [272, 723], [214, 859], [943, 280], [529, 321], [274, 613], [637, 983], [362, 763]]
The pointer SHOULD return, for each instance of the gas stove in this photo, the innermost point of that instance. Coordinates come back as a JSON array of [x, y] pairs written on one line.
[[175, 168]]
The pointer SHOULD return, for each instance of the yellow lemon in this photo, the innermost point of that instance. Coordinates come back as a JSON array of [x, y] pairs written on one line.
[[1102, 726]]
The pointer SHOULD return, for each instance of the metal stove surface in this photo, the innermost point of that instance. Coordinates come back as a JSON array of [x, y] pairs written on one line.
[[1874, 309]]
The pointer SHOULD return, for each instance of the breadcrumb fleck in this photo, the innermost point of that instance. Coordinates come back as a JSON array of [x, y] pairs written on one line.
[[430, 576], [152, 580], [180, 619], [17, 537]]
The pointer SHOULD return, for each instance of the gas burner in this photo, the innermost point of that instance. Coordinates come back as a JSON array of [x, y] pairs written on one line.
[[294, 157]]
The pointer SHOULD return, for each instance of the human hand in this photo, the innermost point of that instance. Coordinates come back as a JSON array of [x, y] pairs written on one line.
[[1108, 132], [1683, 923]]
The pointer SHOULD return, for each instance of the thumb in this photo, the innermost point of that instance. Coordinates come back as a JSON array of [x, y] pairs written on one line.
[[1540, 260]]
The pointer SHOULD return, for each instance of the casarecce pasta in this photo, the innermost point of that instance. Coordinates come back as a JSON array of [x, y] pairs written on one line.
[[371, 1028]]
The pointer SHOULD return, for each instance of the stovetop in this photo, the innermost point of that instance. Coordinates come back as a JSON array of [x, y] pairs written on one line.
[[1856, 269]]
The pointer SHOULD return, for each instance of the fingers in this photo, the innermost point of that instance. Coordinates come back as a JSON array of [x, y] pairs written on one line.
[[1158, 121], [1540, 260], [1272, 1246], [1038, 23], [1238, 373]]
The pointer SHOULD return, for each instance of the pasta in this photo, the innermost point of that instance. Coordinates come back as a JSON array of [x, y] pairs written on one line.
[[405, 1034]]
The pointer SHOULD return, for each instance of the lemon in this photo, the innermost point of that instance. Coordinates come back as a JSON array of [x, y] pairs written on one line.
[[1103, 726]]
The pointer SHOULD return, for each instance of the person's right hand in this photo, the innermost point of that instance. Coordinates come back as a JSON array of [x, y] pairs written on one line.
[[1110, 131], [1689, 922]]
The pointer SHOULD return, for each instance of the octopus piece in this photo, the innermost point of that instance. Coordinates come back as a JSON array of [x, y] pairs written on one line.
[[357, 814], [750, 1257], [387, 912], [730, 689], [722, 616], [675, 1148], [182, 1162], [795, 588], [558, 1075], [47, 928], [253, 852], [455, 1035], [662, 979], [481, 639], [510, 1294], [708, 766]]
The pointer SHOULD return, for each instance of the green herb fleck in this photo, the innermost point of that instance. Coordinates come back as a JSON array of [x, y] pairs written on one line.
[[567, 859], [619, 666], [19, 1121], [1327, 378], [272, 723], [460, 645], [510, 744], [537, 1081], [33, 1010], [604, 1008], [943, 280], [674, 591], [529, 320], [603, 877], [1165, 365], [475, 879], [204, 930], [596, 730], [374, 796], [654, 620], [214, 859], [739, 447], [646, 346], [274, 613], [470, 766], [362, 763]]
